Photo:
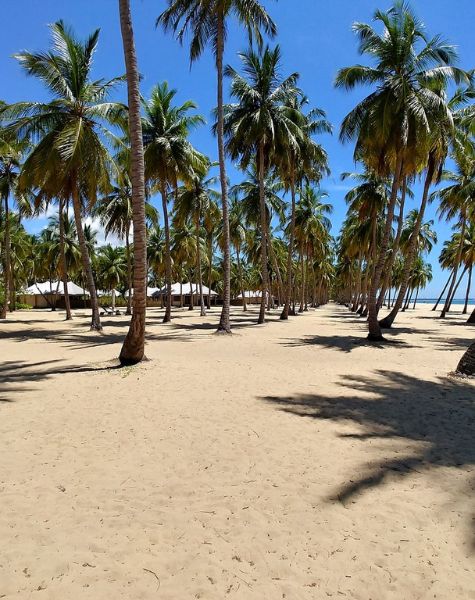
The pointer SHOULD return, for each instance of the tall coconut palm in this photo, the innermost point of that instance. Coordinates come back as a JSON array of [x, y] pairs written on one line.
[[258, 125], [10, 159], [111, 269], [69, 159], [207, 22], [308, 161], [115, 213], [457, 201], [193, 202], [392, 125], [169, 156], [132, 350]]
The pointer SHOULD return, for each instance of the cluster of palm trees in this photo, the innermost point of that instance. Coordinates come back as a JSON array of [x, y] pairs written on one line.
[[93, 156], [405, 128]]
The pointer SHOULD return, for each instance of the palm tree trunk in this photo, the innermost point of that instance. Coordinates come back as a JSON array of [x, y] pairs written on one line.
[[466, 365], [262, 207], [392, 257], [113, 301], [6, 260], [64, 269], [467, 294], [448, 300], [415, 299], [288, 292], [471, 318], [210, 270], [462, 275], [168, 259], [412, 251], [129, 271], [443, 291], [302, 274], [224, 323], [241, 284], [86, 261], [192, 302], [374, 333], [198, 266], [134, 344]]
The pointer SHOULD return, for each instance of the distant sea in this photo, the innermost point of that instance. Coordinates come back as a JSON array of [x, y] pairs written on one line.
[[434, 300]]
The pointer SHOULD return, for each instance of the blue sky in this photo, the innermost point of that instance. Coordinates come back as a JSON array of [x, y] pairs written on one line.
[[315, 37]]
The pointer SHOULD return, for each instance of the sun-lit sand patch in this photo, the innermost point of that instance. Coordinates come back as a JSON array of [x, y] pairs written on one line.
[[287, 461]]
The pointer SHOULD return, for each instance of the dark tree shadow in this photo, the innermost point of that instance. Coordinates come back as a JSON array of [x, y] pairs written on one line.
[[440, 415], [344, 343], [16, 377]]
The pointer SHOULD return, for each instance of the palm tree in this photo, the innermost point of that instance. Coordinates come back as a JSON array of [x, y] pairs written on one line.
[[457, 201], [466, 365], [258, 127], [132, 350], [392, 125], [306, 161], [112, 269], [312, 227], [193, 202], [207, 22], [10, 157], [115, 213], [169, 156], [69, 159]]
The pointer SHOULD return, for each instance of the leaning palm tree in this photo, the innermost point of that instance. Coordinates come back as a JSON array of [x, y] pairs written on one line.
[[132, 350], [169, 156], [392, 125], [466, 365], [258, 127], [207, 21], [457, 201], [69, 159]]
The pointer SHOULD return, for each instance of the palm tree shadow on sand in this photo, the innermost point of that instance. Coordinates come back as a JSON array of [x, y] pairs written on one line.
[[438, 414]]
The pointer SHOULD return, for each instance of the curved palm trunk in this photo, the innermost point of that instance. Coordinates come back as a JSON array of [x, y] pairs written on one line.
[[224, 322], [86, 261], [262, 207], [415, 299], [411, 253], [373, 324], [288, 292], [241, 284], [457, 285], [471, 318], [467, 293], [443, 291], [168, 259], [466, 365], [397, 240], [198, 266], [64, 269], [451, 291], [129, 272], [134, 344]]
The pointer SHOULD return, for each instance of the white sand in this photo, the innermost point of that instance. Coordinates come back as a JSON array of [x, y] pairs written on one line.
[[287, 461]]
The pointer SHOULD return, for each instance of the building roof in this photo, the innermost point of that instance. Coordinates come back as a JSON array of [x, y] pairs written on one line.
[[150, 292], [55, 287], [185, 290]]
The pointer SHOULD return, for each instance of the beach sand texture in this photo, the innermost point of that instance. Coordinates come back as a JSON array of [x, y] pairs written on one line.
[[288, 461]]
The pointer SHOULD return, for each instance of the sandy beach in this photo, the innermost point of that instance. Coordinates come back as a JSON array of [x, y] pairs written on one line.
[[291, 460]]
